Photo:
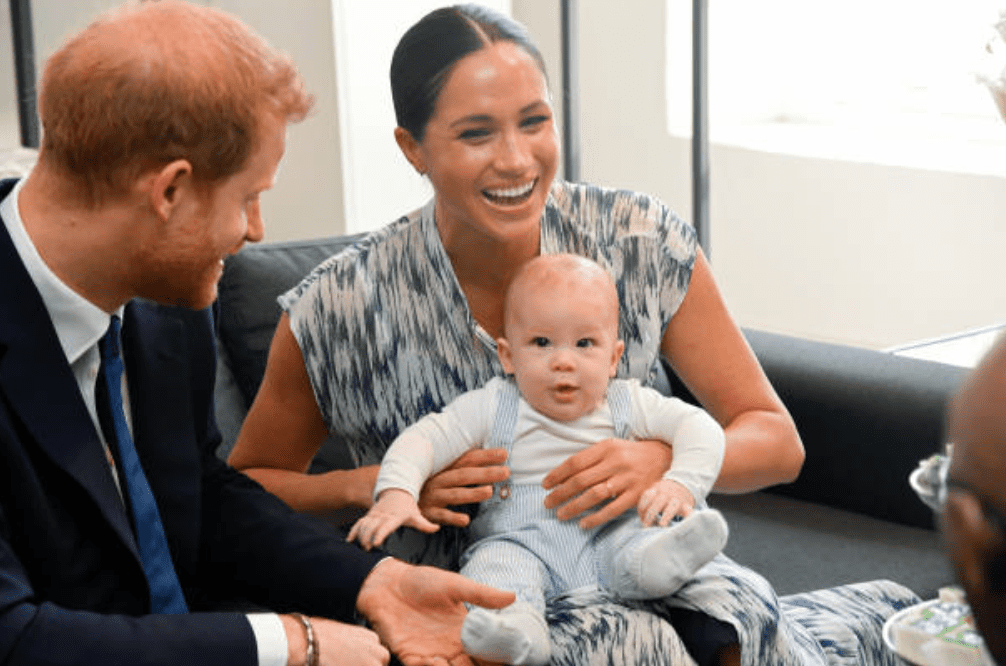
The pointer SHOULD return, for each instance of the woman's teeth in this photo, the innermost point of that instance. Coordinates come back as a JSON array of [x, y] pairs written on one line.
[[511, 195]]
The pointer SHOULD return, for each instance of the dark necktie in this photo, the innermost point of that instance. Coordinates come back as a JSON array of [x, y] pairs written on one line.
[[165, 591]]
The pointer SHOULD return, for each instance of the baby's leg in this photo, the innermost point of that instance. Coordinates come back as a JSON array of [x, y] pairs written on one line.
[[518, 633], [655, 561]]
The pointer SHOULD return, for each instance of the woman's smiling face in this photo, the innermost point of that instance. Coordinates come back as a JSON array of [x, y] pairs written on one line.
[[490, 149]]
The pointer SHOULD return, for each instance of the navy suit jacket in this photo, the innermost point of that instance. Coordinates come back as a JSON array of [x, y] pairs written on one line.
[[72, 590]]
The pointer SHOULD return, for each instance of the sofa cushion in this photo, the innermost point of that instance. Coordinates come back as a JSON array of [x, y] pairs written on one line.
[[252, 280], [801, 545]]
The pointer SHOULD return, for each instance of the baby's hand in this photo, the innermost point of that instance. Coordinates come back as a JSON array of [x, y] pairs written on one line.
[[663, 502], [393, 509]]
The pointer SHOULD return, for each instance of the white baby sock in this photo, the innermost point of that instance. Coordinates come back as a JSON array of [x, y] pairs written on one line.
[[514, 635], [655, 563]]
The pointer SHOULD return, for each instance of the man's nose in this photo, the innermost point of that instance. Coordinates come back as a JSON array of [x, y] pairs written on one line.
[[255, 231]]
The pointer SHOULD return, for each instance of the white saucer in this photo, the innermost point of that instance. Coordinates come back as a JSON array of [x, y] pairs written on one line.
[[924, 649]]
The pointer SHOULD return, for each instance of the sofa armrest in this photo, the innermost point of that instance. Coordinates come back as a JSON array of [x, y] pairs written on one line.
[[866, 418]]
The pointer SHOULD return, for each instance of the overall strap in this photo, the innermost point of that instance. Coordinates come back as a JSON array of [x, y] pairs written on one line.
[[504, 425], [505, 422], [620, 404]]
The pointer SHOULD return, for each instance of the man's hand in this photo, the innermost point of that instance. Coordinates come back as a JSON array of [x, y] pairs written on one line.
[[418, 611], [393, 509], [615, 471], [664, 501], [339, 644], [468, 480]]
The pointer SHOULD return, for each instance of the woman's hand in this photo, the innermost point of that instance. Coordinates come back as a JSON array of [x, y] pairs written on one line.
[[467, 481], [618, 470]]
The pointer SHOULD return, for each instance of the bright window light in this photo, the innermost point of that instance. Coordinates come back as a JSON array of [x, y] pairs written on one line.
[[889, 81]]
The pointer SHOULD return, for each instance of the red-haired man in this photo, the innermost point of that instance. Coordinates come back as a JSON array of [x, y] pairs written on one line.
[[120, 530]]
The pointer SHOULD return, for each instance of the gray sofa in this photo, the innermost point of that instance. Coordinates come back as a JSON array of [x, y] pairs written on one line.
[[866, 417]]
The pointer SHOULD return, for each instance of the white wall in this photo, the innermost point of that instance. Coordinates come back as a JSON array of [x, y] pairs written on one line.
[[9, 137], [307, 200]]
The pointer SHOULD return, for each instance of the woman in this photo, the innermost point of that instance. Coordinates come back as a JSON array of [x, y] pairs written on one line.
[[405, 321]]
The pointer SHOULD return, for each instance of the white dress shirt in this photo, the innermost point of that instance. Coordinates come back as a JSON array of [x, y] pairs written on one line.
[[79, 326]]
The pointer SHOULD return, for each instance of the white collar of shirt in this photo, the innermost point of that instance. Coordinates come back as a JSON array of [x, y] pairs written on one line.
[[79, 323]]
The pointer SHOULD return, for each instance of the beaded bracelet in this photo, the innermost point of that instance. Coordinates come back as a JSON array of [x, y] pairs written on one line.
[[313, 651]]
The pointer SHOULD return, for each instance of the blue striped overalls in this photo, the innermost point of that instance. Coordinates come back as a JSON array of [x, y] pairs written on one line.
[[522, 547]]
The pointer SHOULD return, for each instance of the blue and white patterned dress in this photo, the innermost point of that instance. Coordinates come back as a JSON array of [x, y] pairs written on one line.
[[387, 336]]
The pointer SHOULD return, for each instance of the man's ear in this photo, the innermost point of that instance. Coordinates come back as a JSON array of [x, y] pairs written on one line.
[[410, 148], [169, 185], [505, 354], [616, 356]]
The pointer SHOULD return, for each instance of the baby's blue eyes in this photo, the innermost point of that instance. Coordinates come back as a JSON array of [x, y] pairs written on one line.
[[582, 343]]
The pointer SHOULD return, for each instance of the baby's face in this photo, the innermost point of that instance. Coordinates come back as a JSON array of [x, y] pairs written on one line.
[[562, 349]]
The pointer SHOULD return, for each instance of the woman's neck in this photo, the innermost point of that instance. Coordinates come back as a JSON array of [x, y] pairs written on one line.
[[484, 266], [487, 261]]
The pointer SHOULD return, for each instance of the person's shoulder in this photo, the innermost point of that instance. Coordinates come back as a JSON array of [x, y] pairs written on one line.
[[612, 211], [373, 257], [566, 195], [391, 240]]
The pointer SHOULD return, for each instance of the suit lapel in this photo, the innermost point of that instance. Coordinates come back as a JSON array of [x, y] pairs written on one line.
[[37, 383]]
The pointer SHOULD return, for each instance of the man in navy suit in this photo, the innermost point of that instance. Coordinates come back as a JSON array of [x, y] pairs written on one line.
[[162, 125]]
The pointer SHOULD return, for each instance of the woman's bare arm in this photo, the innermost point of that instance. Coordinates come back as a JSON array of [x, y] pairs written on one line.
[[284, 430], [711, 356]]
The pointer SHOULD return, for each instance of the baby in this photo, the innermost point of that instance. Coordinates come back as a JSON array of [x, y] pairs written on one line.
[[561, 351]]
